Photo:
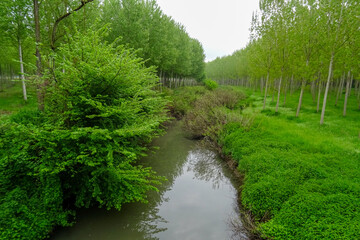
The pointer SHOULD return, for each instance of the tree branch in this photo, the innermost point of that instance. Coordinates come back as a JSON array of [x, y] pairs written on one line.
[[53, 34]]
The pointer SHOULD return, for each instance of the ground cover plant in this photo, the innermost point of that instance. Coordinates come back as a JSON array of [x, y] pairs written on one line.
[[301, 179]]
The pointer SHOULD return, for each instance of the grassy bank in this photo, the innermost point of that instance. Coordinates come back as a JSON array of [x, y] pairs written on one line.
[[302, 180]]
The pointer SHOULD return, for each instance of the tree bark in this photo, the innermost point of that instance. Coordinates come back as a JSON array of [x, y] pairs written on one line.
[[285, 92], [22, 71], [340, 89], [347, 92], [266, 88], [292, 85], [319, 97], [303, 84], [278, 97], [351, 83], [313, 90], [273, 91], [327, 89], [40, 87]]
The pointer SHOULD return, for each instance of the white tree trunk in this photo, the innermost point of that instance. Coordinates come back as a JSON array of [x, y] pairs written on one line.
[[285, 92], [351, 83], [300, 98], [347, 92], [266, 88], [327, 89], [22, 71], [319, 96], [340, 89], [278, 97]]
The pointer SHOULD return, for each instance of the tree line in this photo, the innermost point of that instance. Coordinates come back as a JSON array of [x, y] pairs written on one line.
[[137, 24], [295, 44]]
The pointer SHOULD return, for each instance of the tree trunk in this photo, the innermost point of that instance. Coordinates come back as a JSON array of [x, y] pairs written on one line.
[[278, 97], [40, 87], [356, 87], [340, 89], [285, 91], [22, 71], [292, 85], [313, 90], [266, 88], [351, 83], [319, 97], [327, 89], [303, 84], [347, 92]]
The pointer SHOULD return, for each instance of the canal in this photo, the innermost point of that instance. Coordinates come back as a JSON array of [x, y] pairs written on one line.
[[199, 200]]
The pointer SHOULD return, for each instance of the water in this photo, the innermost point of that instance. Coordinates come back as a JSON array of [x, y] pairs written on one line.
[[197, 202]]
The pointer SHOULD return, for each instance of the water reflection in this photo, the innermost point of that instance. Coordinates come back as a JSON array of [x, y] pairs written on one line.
[[206, 166], [197, 202]]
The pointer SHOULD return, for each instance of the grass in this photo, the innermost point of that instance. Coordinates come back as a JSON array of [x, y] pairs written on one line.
[[302, 180], [11, 100]]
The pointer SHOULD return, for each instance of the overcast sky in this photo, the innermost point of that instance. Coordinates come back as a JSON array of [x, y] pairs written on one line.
[[222, 26]]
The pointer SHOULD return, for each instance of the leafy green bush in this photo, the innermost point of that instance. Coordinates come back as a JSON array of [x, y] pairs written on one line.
[[210, 84], [101, 110]]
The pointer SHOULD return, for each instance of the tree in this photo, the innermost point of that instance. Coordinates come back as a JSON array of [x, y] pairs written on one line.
[[16, 25]]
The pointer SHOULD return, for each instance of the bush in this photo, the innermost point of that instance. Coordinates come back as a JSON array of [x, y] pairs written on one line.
[[210, 84], [183, 99], [212, 111], [100, 112]]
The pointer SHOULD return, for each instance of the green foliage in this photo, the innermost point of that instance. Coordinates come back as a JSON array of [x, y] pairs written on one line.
[[301, 181], [210, 84], [159, 39], [101, 110]]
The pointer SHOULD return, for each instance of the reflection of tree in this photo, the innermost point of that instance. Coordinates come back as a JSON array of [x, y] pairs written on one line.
[[236, 225], [206, 166], [149, 222], [169, 162]]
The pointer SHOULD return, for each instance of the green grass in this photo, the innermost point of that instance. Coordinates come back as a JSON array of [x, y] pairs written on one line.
[[11, 100], [302, 180]]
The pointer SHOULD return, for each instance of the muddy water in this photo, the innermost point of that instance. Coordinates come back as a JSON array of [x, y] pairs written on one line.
[[197, 202]]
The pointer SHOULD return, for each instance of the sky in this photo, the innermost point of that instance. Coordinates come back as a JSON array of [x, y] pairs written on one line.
[[222, 26]]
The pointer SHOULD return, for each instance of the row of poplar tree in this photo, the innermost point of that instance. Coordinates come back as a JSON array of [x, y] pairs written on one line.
[[138, 24], [297, 43]]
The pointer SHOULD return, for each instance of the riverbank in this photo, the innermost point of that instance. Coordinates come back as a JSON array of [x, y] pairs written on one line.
[[301, 180]]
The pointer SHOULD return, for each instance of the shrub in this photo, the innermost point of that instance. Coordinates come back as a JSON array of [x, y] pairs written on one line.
[[212, 111], [210, 84], [183, 99], [100, 112]]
